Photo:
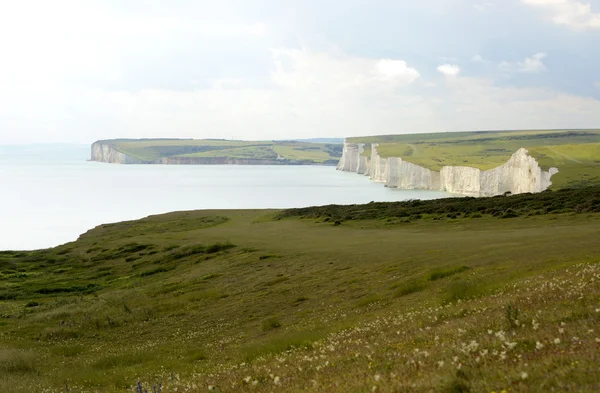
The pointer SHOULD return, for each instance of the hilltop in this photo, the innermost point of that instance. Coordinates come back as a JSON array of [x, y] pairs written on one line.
[[452, 295]]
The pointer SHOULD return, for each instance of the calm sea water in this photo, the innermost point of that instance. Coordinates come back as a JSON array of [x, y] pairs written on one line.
[[49, 194]]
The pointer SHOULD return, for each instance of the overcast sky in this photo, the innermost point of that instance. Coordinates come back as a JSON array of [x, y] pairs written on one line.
[[78, 71]]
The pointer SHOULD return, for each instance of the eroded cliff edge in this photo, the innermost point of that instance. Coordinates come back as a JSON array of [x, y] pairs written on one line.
[[105, 152], [520, 174]]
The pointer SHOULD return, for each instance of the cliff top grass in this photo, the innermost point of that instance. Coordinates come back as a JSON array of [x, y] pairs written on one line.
[[333, 299], [576, 153], [155, 149]]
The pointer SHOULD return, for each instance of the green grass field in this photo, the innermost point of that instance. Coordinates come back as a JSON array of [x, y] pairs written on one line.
[[576, 153], [154, 149], [458, 295]]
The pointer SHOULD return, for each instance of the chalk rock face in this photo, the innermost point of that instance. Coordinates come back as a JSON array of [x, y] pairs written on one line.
[[405, 175], [104, 152], [461, 180], [520, 174], [352, 159], [379, 166]]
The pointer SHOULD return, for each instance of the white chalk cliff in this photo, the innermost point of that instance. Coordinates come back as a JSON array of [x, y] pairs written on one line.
[[104, 152], [520, 174]]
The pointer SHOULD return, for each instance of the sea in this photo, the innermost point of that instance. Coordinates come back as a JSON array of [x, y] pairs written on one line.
[[50, 194]]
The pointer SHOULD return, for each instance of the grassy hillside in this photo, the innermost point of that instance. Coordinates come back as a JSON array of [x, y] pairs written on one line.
[[154, 149], [575, 152], [445, 296]]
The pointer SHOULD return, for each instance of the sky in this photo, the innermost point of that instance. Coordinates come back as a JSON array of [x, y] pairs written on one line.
[[75, 72]]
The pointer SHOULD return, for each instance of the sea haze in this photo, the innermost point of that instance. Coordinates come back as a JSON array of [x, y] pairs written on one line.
[[50, 194]]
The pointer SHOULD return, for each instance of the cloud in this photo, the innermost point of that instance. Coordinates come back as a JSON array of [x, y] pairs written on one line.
[[532, 64], [449, 69], [396, 70], [572, 13], [479, 59], [482, 6], [78, 71], [309, 93]]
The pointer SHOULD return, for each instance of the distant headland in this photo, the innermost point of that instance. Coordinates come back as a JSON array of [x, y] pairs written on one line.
[[217, 152]]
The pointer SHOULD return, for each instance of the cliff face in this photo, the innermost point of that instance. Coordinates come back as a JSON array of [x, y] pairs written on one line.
[[107, 153], [520, 174]]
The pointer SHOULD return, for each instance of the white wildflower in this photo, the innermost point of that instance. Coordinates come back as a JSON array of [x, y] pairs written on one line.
[[557, 340], [539, 345], [377, 377], [247, 379], [510, 345], [441, 363], [276, 381], [524, 375], [561, 330]]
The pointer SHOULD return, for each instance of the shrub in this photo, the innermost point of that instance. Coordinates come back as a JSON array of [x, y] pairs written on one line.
[[302, 340], [443, 273], [270, 324], [13, 361], [512, 315], [219, 247], [461, 290], [406, 288], [157, 270], [368, 300]]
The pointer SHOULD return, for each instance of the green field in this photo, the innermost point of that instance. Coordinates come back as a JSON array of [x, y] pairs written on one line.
[[456, 295], [576, 153], [155, 149]]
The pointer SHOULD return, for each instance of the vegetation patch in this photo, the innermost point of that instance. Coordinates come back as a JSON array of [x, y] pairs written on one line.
[[282, 343], [584, 200], [527, 305], [409, 287], [443, 273]]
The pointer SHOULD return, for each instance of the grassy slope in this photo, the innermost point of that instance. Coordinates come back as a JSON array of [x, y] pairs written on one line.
[[153, 149], [402, 303], [574, 152]]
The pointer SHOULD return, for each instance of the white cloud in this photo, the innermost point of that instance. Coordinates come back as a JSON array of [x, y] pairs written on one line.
[[449, 69], [482, 6], [310, 94], [396, 70], [532, 64], [573, 13], [479, 59]]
